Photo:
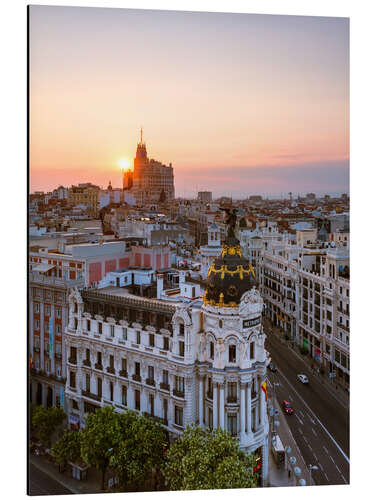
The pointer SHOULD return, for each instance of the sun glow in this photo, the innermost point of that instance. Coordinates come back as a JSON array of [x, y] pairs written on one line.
[[124, 163]]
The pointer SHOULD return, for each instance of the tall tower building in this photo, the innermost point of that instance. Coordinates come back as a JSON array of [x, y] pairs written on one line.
[[152, 181], [235, 363]]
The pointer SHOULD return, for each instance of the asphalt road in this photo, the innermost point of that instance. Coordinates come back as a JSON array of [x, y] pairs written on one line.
[[320, 423], [42, 484]]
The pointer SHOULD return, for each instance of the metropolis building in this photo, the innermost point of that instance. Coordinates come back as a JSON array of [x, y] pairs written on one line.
[[182, 362], [151, 181]]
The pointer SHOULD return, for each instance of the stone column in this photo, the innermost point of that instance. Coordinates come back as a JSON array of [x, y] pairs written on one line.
[[249, 431], [143, 401], [130, 397], [214, 406], [222, 419], [242, 409], [201, 396]]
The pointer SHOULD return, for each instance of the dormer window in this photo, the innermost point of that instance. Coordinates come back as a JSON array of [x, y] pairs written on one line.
[[232, 353]]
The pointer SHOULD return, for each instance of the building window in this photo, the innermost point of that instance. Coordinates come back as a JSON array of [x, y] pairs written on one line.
[[137, 400], [112, 330], [138, 337], [151, 339], [181, 348], [180, 384], [100, 327], [111, 361], [165, 377], [48, 366], [36, 324], [72, 378], [137, 369], [232, 353], [124, 395], [151, 373], [232, 425], [212, 350], [36, 307], [58, 329], [88, 325], [178, 416], [151, 403], [210, 419], [58, 348], [232, 392], [99, 358], [36, 342], [165, 409], [111, 391], [58, 312], [124, 334], [124, 365], [88, 383], [99, 387], [48, 310], [252, 350], [181, 329], [165, 343]]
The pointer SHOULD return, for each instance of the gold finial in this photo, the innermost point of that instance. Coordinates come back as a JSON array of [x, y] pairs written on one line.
[[221, 300]]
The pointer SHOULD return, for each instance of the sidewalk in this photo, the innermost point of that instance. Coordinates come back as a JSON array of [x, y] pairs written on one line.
[[285, 476], [335, 389], [90, 485]]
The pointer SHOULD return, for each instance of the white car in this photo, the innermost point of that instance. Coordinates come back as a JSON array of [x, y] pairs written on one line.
[[302, 378]]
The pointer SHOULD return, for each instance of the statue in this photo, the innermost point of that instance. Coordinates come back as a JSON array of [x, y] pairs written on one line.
[[251, 303], [230, 221], [220, 349], [202, 345]]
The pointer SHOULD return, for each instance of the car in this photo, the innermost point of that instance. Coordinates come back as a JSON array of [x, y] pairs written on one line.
[[302, 378], [272, 367], [287, 407]]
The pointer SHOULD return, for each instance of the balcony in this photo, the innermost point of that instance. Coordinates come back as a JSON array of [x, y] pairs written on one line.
[[87, 362], [72, 360], [98, 366], [123, 373], [36, 349], [58, 355], [136, 377], [90, 395], [178, 394], [160, 420], [164, 387], [110, 369], [150, 381]]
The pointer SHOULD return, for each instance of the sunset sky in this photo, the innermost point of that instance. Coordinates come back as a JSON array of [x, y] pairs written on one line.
[[239, 104]]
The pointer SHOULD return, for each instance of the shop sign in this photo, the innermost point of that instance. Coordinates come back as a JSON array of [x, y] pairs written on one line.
[[248, 323]]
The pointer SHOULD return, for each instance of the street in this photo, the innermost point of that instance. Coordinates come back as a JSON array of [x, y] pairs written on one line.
[[320, 423], [40, 483]]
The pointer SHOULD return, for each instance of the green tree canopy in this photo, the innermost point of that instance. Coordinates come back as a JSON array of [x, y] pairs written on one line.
[[101, 434], [45, 421], [68, 447], [138, 449], [208, 459]]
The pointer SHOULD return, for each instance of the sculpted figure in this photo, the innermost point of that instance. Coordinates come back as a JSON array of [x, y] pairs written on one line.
[[220, 349], [202, 345]]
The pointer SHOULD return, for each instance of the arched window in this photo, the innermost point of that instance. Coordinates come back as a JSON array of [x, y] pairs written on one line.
[[232, 353]]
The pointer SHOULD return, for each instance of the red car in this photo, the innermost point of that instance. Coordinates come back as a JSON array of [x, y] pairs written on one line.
[[287, 407]]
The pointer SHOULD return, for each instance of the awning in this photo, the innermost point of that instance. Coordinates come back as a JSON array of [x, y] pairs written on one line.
[[43, 268]]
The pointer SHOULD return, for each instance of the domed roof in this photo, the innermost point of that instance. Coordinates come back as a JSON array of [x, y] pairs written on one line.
[[229, 277]]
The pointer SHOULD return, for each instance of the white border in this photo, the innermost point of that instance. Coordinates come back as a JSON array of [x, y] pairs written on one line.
[[13, 106]]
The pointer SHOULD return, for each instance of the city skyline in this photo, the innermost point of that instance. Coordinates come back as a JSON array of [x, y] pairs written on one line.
[[256, 103]]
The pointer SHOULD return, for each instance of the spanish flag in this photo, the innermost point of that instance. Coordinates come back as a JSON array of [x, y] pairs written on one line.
[[31, 362], [264, 389]]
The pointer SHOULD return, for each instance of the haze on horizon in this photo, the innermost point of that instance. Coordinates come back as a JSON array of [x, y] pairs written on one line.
[[238, 103]]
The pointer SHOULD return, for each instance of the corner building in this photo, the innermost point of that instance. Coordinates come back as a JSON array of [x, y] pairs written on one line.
[[183, 363]]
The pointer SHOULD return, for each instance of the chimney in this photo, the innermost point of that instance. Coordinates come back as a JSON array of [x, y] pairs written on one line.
[[159, 285]]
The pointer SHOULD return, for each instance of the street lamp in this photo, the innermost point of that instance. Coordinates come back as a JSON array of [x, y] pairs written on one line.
[[311, 468]]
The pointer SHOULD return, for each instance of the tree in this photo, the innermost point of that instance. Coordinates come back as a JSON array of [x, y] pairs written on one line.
[[99, 437], [139, 448], [68, 447], [208, 459], [45, 421]]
